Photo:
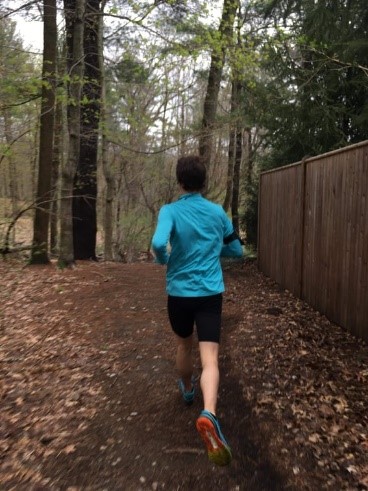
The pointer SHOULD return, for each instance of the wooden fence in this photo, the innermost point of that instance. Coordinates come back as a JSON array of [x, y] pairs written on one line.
[[313, 233]]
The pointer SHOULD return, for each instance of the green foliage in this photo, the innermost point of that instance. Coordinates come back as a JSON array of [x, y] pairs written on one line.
[[315, 83], [134, 235], [20, 86], [308, 94], [250, 216], [302, 68], [181, 14], [129, 70], [20, 75]]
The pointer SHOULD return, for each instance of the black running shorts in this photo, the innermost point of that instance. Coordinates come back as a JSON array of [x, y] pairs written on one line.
[[204, 312]]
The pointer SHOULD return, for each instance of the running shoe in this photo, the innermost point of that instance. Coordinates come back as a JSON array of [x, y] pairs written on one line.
[[217, 448], [188, 396]]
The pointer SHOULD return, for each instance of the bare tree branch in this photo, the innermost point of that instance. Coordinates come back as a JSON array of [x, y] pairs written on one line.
[[14, 141], [24, 6], [342, 63], [5, 249]]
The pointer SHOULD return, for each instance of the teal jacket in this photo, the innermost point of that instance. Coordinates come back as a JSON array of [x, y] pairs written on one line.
[[191, 235]]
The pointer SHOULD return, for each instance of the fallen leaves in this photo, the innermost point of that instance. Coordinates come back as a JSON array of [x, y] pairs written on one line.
[[46, 372], [69, 449], [303, 379], [316, 374]]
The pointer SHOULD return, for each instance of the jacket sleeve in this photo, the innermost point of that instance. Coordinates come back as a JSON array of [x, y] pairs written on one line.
[[232, 246], [161, 236]]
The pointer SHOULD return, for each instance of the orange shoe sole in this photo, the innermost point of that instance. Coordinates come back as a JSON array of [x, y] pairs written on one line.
[[218, 451]]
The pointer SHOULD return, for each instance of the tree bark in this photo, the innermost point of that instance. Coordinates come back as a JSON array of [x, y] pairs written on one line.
[[34, 162], [230, 170], [248, 158], [236, 180], [106, 163], [56, 165], [85, 181], [232, 145], [13, 189], [235, 139], [109, 202], [74, 16], [214, 80], [39, 252]]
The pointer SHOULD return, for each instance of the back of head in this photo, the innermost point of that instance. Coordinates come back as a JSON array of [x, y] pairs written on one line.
[[191, 173]]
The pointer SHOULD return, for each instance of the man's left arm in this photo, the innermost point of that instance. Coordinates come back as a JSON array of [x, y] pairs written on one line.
[[232, 246], [162, 235]]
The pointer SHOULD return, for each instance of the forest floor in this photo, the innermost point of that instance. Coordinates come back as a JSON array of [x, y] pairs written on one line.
[[89, 397]]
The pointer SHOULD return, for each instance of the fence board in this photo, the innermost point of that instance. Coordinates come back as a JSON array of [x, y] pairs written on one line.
[[280, 226], [313, 233]]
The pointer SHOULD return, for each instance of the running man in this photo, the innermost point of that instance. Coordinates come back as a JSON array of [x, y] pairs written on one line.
[[198, 232]]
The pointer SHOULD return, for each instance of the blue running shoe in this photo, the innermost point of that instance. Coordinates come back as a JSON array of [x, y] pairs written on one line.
[[217, 448], [188, 396]]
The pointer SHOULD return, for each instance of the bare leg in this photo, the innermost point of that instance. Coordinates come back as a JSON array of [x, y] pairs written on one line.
[[210, 374], [207, 424], [184, 362]]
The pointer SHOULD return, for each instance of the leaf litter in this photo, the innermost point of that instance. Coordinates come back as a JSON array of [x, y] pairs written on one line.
[[303, 381]]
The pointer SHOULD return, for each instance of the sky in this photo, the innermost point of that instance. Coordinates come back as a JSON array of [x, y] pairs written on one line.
[[31, 32]]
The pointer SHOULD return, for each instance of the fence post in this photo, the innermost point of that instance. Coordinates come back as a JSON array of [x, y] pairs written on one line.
[[259, 222], [302, 224]]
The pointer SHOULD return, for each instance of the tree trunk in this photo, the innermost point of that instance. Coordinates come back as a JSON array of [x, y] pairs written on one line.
[[74, 12], [235, 137], [39, 252], [214, 80], [34, 162], [56, 165], [106, 163], [248, 158], [109, 203], [237, 160], [230, 170], [12, 167], [110, 191], [85, 181], [236, 179], [232, 146]]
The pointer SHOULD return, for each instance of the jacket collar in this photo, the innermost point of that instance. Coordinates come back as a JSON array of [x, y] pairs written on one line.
[[189, 195]]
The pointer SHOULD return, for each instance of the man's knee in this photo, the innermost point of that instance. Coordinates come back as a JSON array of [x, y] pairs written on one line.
[[185, 344], [209, 352]]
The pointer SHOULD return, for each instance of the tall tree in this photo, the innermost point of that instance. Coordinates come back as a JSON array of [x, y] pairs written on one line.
[[85, 181], [39, 252], [235, 127], [316, 66], [221, 43], [74, 18], [57, 163], [106, 163], [8, 43], [19, 84]]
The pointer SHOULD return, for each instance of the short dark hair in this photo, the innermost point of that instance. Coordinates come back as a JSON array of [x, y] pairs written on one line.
[[191, 173]]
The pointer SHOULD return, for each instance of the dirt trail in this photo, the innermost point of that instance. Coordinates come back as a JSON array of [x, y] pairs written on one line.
[[95, 405], [150, 435]]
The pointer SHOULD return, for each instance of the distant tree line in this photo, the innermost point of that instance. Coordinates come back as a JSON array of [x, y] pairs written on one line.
[[90, 131]]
